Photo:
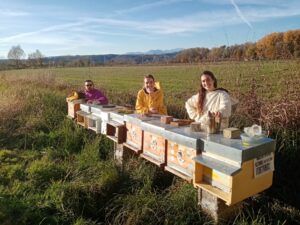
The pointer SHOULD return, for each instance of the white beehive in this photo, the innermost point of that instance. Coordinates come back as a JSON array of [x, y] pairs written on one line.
[[94, 123]]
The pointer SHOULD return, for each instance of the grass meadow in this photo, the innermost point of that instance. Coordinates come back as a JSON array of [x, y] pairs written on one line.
[[54, 172]]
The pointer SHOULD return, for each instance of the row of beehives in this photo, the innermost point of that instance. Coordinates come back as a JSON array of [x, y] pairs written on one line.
[[223, 167]]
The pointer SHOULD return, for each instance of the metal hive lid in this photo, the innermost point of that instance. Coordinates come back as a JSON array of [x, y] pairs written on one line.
[[85, 107], [184, 136], [136, 119], [156, 127], [233, 149]]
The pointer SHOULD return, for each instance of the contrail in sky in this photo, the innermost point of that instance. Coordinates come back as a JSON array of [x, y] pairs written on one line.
[[241, 14]]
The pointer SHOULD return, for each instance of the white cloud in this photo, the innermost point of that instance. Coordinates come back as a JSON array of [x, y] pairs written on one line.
[[149, 6], [85, 32], [193, 23], [251, 2], [10, 13], [23, 36]]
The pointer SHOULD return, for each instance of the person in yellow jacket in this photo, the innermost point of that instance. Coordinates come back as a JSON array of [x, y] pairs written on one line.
[[150, 99]]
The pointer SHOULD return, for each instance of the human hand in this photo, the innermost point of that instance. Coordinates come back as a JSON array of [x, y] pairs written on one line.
[[218, 117], [218, 114], [96, 102], [153, 110]]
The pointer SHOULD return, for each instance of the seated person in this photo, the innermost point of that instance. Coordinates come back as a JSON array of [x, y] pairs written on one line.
[[93, 95], [150, 98], [209, 99]]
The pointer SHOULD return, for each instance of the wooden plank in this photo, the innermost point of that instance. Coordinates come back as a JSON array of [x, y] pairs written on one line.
[[133, 148], [166, 119], [182, 122], [215, 191], [177, 173], [156, 162]]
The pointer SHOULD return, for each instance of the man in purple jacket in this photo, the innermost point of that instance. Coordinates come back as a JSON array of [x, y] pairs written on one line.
[[93, 95]]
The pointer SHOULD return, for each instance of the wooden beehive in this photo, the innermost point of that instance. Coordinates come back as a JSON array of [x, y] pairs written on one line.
[[82, 118], [183, 146], [116, 131], [154, 148], [180, 160], [73, 107], [135, 134], [134, 137]]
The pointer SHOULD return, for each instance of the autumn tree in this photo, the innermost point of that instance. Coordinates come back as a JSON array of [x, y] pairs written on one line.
[[270, 46], [291, 39], [250, 51], [217, 54]]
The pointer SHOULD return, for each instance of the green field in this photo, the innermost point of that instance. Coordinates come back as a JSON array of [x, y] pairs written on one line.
[[54, 172], [272, 78]]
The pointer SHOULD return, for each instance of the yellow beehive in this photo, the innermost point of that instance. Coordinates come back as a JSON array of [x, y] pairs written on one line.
[[235, 184]]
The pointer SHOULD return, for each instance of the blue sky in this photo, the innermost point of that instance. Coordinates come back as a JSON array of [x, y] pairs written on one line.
[[74, 27]]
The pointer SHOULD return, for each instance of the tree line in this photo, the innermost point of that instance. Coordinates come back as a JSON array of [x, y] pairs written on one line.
[[278, 45], [16, 56]]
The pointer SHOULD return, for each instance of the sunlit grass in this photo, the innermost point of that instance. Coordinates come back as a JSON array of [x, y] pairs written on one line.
[[55, 172]]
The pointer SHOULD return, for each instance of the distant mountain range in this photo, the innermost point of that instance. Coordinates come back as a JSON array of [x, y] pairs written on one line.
[[155, 52], [151, 56]]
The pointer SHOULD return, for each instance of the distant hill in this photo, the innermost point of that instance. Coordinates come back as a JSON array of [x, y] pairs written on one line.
[[156, 52], [128, 58], [277, 45]]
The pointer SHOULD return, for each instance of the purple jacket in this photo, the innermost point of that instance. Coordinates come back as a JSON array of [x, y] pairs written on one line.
[[96, 94]]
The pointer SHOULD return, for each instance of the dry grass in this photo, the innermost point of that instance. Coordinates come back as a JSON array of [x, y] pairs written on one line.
[[25, 105]]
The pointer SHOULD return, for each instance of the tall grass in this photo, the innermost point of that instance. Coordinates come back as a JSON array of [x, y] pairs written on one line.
[[54, 172]]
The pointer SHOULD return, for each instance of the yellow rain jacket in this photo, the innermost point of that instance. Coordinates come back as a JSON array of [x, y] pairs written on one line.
[[145, 101]]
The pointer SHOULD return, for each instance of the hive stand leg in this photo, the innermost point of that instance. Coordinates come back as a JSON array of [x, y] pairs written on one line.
[[216, 208], [121, 153], [118, 153]]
